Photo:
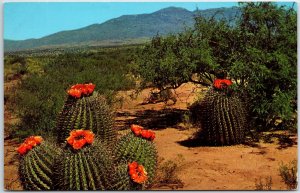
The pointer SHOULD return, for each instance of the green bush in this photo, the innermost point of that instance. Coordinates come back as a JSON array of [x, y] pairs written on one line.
[[41, 95]]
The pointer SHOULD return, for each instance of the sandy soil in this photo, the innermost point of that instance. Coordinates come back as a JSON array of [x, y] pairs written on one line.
[[201, 168]]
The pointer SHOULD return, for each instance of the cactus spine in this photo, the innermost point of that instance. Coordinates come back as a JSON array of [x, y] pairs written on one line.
[[223, 118], [86, 169], [36, 167], [87, 113], [132, 148]]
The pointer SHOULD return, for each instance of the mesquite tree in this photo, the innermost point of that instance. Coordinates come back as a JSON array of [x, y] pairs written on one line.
[[258, 51]]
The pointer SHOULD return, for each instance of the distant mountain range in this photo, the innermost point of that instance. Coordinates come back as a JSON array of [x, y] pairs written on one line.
[[127, 29]]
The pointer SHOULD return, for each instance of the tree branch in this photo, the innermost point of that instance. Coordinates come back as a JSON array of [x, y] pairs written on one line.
[[199, 82]]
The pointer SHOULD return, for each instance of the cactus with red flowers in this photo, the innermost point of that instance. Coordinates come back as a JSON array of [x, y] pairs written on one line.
[[86, 109], [222, 115], [37, 163]]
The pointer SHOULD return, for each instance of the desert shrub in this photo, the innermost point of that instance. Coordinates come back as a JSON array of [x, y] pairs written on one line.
[[167, 173], [41, 95], [288, 173], [14, 66], [266, 185]]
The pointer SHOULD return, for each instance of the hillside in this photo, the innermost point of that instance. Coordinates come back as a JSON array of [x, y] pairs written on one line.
[[164, 21]]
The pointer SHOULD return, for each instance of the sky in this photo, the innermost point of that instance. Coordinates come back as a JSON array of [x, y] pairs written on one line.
[[38, 19]]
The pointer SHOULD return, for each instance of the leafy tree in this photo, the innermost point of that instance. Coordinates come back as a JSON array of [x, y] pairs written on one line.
[[266, 61], [259, 52]]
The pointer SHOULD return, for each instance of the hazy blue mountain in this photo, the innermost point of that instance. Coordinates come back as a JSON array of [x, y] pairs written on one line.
[[126, 27]]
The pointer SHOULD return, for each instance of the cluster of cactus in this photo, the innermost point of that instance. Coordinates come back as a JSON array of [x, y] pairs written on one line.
[[88, 155], [222, 116]]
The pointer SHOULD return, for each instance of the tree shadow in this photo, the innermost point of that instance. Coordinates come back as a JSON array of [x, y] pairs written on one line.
[[151, 119]]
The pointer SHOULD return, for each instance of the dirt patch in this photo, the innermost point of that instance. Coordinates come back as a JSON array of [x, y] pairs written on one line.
[[223, 168]]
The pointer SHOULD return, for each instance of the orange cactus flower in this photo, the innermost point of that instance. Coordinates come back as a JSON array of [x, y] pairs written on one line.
[[146, 134], [78, 144], [137, 172], [89, 136], [90, 87], [78, 90], [136, 129], [152, 136], [38, 139], [222, 83], [32, 143], [78, 138], [29, 143], [76, 93], [84, 90], [133, 165], [22, 149], [140, 131]]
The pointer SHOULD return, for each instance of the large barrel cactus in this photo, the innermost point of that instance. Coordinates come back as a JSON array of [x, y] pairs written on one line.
[[89, 168], [132, 148], [222, 116], [88, 112], [36, 167]]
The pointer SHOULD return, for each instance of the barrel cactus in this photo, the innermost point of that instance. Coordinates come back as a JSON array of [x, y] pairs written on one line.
[[88, 157], [86, 111], [88, 168], [140, 149], [37, 164], [122, 179], [222, 115]]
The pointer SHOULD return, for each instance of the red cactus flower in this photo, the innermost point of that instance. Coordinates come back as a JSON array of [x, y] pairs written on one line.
[[23, 148], [76, 93], [78, 90], [141, 132], [137, 172], [78, 138], [222, 83], [90, 87], [89, 136], [136, 129], [29, 143]]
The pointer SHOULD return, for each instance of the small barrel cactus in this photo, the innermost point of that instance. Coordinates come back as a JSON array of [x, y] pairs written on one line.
[[122, 179], [88, 112], [87, 168], [222, 116], [132, 148], [37, 165]]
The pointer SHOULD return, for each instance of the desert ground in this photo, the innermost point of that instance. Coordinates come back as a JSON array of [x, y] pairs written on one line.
[[238, 167]]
